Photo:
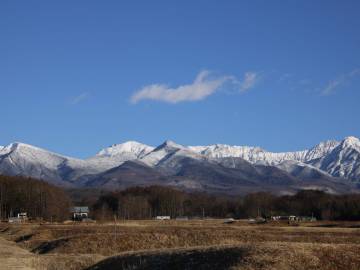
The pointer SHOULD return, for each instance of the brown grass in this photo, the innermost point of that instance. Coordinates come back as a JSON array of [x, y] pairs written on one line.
[[64, 262], [267, 256], [269, 246]]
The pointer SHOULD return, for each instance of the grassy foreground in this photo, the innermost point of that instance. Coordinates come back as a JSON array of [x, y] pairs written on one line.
[[189, 245]]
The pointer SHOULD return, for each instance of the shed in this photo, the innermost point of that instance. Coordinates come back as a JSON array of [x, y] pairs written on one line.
[[80, 212]]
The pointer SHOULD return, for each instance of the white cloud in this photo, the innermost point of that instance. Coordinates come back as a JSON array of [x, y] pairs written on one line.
[[250, 79], [80, 98], [332, 85], [203, 86]]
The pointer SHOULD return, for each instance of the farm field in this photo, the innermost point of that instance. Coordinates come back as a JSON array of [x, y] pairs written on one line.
[[200, 244]]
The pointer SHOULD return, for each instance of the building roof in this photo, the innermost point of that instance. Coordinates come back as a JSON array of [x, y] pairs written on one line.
[[80, 209]]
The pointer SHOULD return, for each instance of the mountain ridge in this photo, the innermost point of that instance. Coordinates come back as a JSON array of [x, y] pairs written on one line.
[[327, 162]]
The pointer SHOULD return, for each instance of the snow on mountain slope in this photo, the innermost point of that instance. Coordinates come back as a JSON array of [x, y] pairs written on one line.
[[117, 154], [28, 160], [340, 159], [343, 161], [128, 149], [351, 142], [17, 153], [6, 149], [321, 150], [164, 151], [251, 154], [260, 156], [297, 168]]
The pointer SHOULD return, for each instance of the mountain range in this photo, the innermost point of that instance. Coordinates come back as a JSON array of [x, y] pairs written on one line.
[[332, 166]]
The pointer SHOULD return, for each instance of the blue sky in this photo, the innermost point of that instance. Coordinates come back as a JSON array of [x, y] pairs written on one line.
[[77, 76]]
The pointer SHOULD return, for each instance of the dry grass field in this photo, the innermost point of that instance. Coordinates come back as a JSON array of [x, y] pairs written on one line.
[[202, 244]]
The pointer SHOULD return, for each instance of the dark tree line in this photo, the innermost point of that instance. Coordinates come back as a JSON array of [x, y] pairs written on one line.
[[38, 198], [42, 200], [148, 202]]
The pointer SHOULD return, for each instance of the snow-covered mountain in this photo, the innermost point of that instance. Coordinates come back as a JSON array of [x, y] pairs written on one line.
[[261, 156], [117, 154], [23, 159], [321, 150], [305, 171], [322, 163], [251, 154], [166, 152], [339, 159], [343, 161], [127, 150]]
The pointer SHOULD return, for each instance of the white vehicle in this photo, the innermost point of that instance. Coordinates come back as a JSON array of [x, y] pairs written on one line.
[[162, 218], [229, 220]]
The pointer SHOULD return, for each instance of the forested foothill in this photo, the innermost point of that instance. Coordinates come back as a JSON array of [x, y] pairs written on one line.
[[40, 200], [147, 202], [43, 201]]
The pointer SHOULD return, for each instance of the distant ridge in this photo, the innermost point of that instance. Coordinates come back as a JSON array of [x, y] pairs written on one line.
[[328, 165]]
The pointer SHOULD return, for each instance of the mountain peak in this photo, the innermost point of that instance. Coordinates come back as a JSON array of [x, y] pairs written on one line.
[[351, 142], [132, 143], [133, 147], [320, 150], [18, 146], [328, 143], [340, 159], [162, 151], [170, 144]]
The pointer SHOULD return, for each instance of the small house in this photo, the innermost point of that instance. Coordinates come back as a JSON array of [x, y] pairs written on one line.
[[21, 217], [293, 218], [80, 213], [287, 218]]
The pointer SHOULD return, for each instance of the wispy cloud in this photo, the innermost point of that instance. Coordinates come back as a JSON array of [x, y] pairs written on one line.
[[355, 72], [333, 85], [204, 85], [80, 98], [285, 77], [250, 79]]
